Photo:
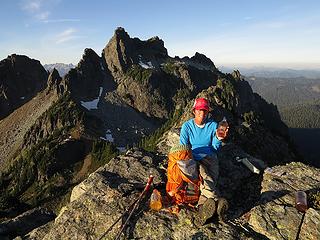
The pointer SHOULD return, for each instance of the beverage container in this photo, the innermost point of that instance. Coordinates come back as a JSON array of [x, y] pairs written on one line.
[[222, 128], [249, 165], [301, 201], [156, 200]]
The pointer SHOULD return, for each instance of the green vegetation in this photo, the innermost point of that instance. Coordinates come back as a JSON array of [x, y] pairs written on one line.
[[139, 74], [102, 152], [37, 174], [297, 100], [305, 115], [65, 110], [169, 67], [314, 199], [286, 92], [149, 143], [251, 118], [45, 171], [29, 174], [182, 94], [226, 91]]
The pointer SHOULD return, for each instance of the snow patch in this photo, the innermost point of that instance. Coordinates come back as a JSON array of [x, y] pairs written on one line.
[[143, 64], [146, 65], [92, 104], [108, 137], [122, 149], [102, 68]]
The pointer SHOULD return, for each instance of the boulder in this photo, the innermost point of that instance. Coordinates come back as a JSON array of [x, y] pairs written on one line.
[[98, 201], [102, 198], [25, 222], [275, 216]]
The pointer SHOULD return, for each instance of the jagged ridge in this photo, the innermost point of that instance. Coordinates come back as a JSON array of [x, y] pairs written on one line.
[[137, 80]]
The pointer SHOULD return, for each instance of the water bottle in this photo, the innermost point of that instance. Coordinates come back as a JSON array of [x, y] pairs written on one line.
[[156, 200], [301, 201], [222, 128]]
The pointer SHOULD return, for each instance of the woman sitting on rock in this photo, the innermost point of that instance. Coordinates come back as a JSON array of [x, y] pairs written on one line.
[[201, 134]]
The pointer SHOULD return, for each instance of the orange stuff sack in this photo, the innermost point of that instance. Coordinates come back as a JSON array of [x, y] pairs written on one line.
[[183, 185]]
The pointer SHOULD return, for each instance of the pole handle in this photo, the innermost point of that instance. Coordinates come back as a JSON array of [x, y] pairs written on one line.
[[150, 180]]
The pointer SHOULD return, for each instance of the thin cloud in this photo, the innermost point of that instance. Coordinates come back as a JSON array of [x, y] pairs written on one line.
[[66, 35], [276, 24], [60, 20], [43, 15], [31, 5], [38, 9], [248, 18]]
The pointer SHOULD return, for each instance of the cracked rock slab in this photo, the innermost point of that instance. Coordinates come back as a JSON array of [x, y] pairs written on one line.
[[275, 216]]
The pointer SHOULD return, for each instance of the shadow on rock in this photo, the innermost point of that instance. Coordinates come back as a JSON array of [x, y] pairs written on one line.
[[236, 182], [272, 195]]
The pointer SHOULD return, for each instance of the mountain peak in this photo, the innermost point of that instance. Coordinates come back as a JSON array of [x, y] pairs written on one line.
[[21, 78], [121, 32], [54, 81], [122, 51], [89, 55], [202, 59]]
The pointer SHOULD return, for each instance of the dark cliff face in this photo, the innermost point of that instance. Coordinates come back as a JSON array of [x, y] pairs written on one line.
[[151, 81], [84, 80], [122, 52], [21, 78]]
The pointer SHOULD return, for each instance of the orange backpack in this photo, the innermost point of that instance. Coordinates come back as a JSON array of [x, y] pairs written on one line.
[[183, 185]]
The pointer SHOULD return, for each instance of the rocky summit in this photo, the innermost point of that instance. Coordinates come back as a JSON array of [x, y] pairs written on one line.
[[96, 203], [76, 151]]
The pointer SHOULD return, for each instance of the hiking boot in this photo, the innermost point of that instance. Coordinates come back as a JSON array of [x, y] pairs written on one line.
[[222, 208], [205, 211]]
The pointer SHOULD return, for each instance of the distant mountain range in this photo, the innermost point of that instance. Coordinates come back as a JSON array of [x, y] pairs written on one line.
[[62, 68], [298, 102], [286, 91], [268, 72]]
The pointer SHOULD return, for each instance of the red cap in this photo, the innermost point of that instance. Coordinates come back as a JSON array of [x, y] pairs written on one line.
[[201, 104]]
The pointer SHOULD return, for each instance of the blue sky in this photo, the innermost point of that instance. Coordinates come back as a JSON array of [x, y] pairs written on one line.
[[283, 33]]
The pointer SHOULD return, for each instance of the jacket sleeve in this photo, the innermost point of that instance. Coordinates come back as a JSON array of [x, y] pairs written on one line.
[[184, 135], [216, 143]]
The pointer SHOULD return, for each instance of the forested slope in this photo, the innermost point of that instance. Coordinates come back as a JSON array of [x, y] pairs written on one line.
[[298, 101]]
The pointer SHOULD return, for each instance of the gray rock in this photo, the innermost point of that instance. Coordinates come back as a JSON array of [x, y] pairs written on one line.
[[276, 216], [40, 232], [25, 222], [101, 199]]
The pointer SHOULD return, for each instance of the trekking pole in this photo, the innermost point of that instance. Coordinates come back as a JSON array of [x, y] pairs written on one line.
[[129, 208], [108, 230], [146, 189]]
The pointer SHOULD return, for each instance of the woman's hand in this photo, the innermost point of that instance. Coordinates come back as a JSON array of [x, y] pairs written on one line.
[[222, 133]]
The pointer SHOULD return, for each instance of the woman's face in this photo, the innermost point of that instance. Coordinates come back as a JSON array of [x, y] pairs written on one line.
[[200, 116]]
